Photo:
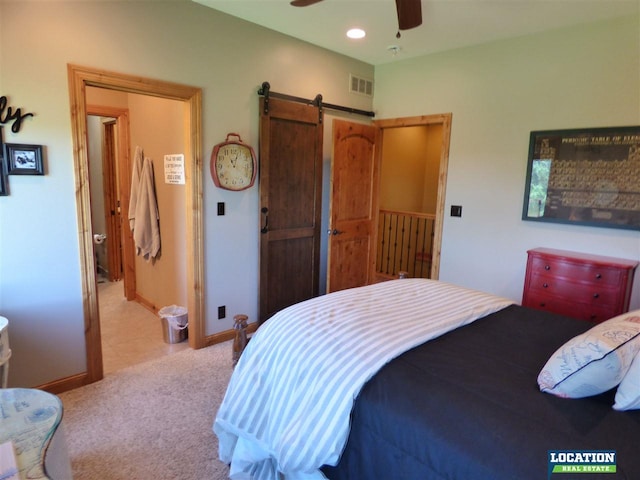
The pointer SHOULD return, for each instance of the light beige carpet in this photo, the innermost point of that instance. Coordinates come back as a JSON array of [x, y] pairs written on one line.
[[151, 421]]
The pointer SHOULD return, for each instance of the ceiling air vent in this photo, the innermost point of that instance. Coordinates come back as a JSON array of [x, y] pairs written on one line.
[[360, 85]]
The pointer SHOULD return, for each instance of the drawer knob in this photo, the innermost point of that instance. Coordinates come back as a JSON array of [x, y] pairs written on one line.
[[596, 295], [542, 304], [598, 276], [545, 285], [547, 267]]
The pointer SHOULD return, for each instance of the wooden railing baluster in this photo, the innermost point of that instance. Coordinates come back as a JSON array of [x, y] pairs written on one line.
[[405, 243]]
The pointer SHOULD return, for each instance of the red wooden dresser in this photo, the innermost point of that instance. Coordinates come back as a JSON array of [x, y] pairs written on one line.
[[579, 285]]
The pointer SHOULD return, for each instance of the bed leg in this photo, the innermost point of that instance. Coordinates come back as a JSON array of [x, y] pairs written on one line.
[[240, 339]]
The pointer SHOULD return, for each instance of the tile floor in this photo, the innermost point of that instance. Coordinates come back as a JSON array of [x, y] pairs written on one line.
[[131, 334]]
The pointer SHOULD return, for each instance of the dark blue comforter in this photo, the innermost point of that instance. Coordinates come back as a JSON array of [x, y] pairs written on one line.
[[466, 406]]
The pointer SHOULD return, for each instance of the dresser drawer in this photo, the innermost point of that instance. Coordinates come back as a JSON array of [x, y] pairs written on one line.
[[594, 313], [577, 271], [574, 291]]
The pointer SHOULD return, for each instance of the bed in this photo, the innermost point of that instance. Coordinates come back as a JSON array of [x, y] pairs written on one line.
[[316, 395]]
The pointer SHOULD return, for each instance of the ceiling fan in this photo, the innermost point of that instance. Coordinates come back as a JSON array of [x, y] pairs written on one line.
[[409, 11]]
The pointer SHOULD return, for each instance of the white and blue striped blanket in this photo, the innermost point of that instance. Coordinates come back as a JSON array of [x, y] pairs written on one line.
[[287, 408]]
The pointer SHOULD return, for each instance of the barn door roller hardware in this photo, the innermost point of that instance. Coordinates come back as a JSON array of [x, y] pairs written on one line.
[[266, 92]]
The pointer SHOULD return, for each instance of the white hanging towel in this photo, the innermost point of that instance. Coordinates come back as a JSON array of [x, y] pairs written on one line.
[[146, 234], [135, 186]]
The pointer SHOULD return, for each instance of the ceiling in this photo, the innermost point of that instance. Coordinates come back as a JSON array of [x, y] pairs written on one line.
[[447, 24]]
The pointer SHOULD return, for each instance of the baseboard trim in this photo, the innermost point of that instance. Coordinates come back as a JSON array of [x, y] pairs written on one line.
[[65, 384], [146, 303]]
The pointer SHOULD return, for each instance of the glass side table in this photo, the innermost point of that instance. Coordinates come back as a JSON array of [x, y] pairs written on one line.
[[31, 420]]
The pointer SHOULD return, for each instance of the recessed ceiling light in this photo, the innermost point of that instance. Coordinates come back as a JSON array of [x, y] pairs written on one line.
[[356, 33]]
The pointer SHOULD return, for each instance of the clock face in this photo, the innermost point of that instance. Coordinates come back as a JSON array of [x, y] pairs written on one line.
[[233, 166]]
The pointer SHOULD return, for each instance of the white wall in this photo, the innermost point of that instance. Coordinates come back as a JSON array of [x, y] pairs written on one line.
[[180, 41], [157, 126], [498, 93]]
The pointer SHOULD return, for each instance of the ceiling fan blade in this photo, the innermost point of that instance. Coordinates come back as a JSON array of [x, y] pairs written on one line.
[[303, 3], [409, 13]]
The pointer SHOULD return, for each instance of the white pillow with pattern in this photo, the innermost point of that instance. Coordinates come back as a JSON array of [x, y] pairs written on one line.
[[628, 394], [594, 361]]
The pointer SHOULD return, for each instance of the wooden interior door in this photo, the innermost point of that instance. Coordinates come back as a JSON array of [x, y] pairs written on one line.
[[290, 203], [111, 201], [354, 206], [123, 181]]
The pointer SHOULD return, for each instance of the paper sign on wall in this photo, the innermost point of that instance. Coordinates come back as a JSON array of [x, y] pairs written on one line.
[[174, 169]]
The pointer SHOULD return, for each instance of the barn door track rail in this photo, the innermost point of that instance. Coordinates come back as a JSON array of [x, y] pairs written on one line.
[[265, 91]]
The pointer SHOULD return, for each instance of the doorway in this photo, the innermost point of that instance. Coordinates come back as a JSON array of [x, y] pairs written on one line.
[[108, 157], [388, 211], [422, 231], [423, 205], [112, 134], [79, 79]]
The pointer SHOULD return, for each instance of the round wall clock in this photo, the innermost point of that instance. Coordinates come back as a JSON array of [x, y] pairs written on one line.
[[233, 164]]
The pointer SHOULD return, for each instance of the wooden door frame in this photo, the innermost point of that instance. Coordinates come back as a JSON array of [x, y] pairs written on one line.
[[79, 79], [443, 119]]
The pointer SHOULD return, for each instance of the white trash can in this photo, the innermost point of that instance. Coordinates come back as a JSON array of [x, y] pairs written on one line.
[[174, 323]]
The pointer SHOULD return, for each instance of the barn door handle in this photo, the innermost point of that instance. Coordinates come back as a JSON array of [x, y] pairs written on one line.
[[265, 212], [335, 231]]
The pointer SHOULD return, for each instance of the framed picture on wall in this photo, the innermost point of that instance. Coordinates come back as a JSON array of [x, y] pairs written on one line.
[[24, 159], [3, 179], [3, 184], [585, 177]]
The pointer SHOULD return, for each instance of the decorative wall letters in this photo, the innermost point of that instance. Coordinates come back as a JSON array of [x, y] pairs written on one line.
[[7, 114]]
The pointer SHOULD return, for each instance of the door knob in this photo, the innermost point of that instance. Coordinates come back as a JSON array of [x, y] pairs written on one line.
[[335, 231]]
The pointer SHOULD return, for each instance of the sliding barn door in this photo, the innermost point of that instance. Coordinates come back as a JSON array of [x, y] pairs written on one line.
[[354, 206], [290, 203]]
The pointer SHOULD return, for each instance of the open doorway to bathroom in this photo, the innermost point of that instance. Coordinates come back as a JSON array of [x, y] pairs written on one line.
[[106, 218], [128, 305], [189, 116]]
